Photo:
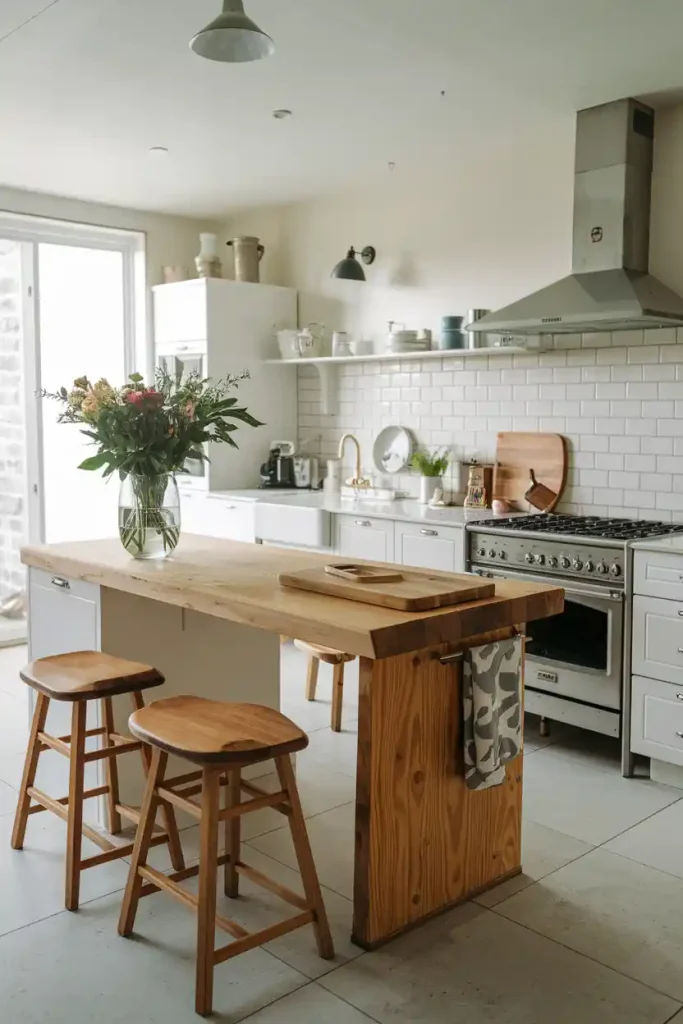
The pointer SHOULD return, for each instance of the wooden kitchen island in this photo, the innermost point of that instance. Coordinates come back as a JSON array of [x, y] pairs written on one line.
[[210, 619]]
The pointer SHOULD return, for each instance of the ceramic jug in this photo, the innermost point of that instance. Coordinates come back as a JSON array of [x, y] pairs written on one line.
[[248, 253]]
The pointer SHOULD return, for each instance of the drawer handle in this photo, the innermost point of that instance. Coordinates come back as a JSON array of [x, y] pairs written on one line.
[[679, 696], [363, 522], [58, 581], [230, 508], [429, 533], [680, 735]]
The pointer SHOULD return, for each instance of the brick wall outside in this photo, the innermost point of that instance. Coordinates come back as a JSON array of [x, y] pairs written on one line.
[[12, 423]]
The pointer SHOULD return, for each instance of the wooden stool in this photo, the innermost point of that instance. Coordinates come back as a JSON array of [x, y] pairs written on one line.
[[223, 739], [78, 678], [316, 654]]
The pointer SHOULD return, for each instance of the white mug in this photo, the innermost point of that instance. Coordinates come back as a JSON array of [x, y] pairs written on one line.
[[340, 344]]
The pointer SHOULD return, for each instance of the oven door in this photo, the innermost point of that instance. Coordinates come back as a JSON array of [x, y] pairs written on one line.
[[578, 653]]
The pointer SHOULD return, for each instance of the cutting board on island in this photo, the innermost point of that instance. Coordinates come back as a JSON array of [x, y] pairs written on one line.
[[409, 591], [517, 454]]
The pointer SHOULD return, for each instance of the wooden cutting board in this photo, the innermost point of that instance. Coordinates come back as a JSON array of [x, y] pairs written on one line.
[[517, 454], [415, 592]]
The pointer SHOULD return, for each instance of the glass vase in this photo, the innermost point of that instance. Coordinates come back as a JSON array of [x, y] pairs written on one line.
[[149, 515]]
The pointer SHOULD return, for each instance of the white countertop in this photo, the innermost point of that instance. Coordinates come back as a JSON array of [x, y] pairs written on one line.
[[671, 544], [408, 510]]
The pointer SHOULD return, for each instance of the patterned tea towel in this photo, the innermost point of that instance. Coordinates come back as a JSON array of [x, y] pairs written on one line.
[[492, 704]]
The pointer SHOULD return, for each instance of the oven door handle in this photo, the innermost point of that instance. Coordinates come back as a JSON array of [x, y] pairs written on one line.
[[567, 585]]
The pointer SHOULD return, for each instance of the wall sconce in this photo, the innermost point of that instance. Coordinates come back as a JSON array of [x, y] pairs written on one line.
[[349, 269]]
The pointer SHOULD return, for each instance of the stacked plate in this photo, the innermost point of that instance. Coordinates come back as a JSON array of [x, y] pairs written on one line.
[[406, 341]]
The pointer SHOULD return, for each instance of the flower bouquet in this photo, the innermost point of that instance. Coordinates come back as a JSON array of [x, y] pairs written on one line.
[[147, 435]]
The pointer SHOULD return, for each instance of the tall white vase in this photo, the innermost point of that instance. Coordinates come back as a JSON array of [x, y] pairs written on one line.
[[428, 484]]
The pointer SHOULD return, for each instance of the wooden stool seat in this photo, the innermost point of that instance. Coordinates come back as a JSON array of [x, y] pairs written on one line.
[[223, 739], [84, 675], [209, 731], [79, 678], [337, 659]]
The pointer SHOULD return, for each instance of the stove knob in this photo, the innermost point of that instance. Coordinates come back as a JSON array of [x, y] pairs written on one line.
[[577, 564], [481, 552], [601, 568], [492, 552], [502, 554], [539, 559], [588, 567], [564, 562], [528, 557], [552, 561], [615, 569]]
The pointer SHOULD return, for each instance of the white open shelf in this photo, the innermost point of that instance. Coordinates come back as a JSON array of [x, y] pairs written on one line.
[[327, 365]]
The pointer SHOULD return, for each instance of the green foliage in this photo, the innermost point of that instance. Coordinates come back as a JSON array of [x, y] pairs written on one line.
[[153, 431], [431, 464]]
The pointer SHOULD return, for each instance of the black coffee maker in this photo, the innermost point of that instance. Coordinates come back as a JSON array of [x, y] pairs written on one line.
[[278, 471]]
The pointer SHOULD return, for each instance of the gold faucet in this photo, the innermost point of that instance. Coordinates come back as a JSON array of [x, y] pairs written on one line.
[[358, 481]]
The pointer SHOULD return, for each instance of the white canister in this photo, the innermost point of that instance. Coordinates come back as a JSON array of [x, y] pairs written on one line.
[[428, 485], [248, 255], [340, 344], [333, 480]]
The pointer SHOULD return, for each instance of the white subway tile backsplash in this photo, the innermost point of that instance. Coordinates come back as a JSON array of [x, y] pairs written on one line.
[[618, 399]]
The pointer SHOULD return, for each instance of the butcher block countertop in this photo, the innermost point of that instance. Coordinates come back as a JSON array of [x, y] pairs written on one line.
[[239, 582]]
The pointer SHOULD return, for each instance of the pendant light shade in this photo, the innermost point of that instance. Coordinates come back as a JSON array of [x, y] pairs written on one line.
[[349, 269], [232, 37]]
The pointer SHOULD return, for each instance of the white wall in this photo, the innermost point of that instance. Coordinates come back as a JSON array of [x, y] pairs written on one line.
[[482, 235]]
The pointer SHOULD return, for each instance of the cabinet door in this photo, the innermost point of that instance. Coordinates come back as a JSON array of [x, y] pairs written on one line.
[[658, 574], [180, 312], [218, 517], [360, 537], [430, 547], [658, 638], [657, 720]]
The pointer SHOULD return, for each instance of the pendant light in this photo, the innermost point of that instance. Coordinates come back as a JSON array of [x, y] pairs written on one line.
[[349, 269], [232, 37]]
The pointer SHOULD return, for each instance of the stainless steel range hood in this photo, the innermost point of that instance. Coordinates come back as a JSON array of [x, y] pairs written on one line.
[[609, 288]]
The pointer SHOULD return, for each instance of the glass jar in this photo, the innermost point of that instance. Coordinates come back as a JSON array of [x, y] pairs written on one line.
[[149, 515]]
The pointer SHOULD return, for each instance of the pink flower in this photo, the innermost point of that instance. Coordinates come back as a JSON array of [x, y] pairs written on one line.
[[189, 410], [150, 395]]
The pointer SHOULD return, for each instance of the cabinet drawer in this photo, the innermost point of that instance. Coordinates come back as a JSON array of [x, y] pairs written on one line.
[[429, 547], [219, 517], [658, 574], [657, 720], [364, 537], [64, 615], [75, 588], [658, 638]]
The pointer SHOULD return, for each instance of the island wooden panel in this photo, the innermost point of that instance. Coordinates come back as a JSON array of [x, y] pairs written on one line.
[[424, 841], [239, 582]]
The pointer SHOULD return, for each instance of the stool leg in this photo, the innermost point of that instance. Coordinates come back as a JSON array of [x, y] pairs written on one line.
[[143, 837], [175, 848], [233, 830], [312, 677], [337, 696], [30, 768], [304, 856], [208, 869], [74, 826], [111, 768]]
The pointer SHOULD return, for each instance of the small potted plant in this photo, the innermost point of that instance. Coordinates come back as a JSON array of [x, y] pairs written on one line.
[[147, 434], [431, 466]]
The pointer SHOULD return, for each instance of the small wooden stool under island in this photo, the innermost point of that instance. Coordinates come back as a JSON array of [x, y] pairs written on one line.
[[79, 678], [222, 738], [337, 659]]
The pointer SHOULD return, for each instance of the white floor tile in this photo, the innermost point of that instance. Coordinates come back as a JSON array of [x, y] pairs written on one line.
[[584, 802], [332, 840], [76, 966], [32, 879], [337, 751], [8, 801], [312, 1005], [543, 851], [470, 966], [658, 841], [621, 913], [314, 715]]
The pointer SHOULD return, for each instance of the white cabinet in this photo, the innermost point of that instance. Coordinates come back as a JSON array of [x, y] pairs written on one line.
[[658, 638], [430, 547], [365, 538], [658, 574], [64, 615], [223, 327], [211, 516], [657, 720]]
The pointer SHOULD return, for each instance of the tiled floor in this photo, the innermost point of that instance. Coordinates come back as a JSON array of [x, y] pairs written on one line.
[[591, 933]]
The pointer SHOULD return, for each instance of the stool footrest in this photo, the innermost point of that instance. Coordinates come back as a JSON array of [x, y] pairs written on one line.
[[116, 852], [278, 800], [255, 939], [268, 883], [121, 746], [88, 795], [48, 742]]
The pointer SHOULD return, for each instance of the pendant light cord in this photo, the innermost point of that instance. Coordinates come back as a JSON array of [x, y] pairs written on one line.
[[28, 21]]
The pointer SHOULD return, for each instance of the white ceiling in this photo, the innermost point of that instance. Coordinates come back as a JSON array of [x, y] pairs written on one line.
[[89, 85]]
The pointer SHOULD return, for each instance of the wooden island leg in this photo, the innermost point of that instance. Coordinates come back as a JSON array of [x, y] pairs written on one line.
[[424, 841]]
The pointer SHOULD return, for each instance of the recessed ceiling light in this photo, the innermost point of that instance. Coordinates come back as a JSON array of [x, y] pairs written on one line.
[[158, 151], [280, 115]]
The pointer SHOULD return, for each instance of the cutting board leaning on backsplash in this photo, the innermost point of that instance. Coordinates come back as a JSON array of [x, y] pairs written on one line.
[[517, 454]]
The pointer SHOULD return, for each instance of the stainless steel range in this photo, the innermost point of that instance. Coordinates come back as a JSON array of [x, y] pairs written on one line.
[[576, 661]]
